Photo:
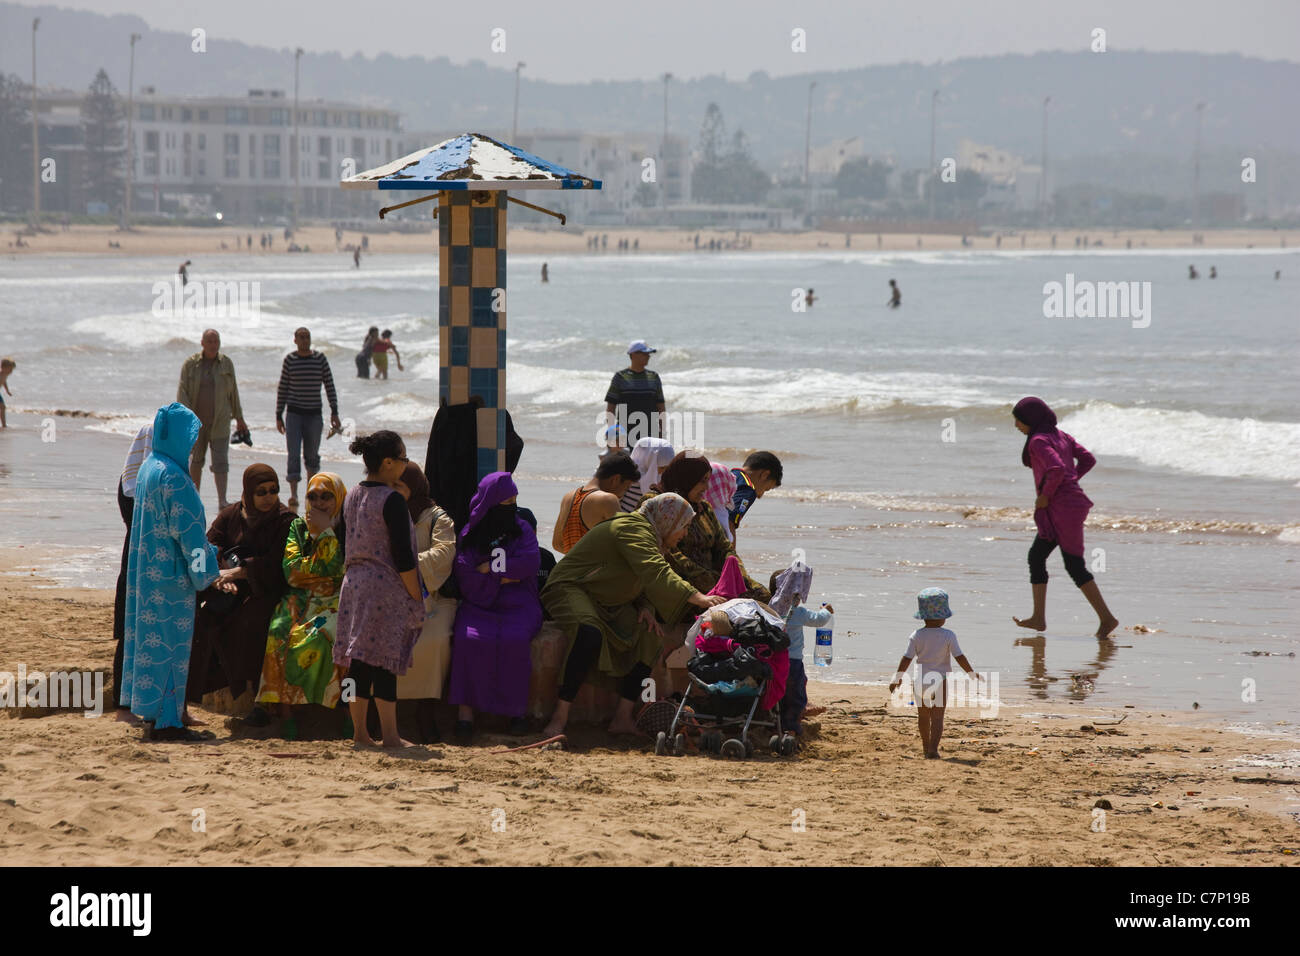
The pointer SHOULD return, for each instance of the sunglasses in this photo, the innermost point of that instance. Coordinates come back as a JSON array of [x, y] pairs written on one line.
[[320, 496]]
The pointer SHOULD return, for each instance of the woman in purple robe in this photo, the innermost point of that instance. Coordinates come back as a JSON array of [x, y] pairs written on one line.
[[496, 569], [1059, 510]]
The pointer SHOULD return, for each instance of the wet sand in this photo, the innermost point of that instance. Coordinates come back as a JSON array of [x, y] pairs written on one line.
[[1010, 790]]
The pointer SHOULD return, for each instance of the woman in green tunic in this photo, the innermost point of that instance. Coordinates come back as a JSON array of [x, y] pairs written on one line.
[[609, 594], [299, 664]]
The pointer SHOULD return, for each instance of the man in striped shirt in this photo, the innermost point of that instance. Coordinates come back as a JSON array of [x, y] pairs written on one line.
[[298, 408]]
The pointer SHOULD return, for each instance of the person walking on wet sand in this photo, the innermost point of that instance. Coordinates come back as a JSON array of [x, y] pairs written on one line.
[[208, 388], [184, 273], [545, 275], [1059, 510], [895, 295]]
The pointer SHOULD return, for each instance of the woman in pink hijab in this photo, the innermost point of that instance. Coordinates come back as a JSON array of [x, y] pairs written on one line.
[[1059, 511]]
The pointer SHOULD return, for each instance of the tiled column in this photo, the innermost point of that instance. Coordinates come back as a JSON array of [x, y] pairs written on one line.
[[471, 335]]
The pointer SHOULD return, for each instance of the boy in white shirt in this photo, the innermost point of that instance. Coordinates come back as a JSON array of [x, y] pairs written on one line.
[[931, 646]]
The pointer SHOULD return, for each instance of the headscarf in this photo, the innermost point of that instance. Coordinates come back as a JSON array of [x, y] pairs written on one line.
[[792, 586], [419, 502], [684, 472], [721, 488], [651, 455], [255, 475], [1041, 420], [490, 521], [328, 481], [668, 514]]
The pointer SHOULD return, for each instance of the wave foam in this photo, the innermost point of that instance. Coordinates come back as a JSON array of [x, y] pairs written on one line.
[[1190, 441]]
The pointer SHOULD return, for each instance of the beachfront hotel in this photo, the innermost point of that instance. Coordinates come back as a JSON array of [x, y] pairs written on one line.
[[234, 155]]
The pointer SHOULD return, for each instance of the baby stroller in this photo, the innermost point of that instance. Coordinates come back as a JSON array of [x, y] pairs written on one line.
[[729, 676]]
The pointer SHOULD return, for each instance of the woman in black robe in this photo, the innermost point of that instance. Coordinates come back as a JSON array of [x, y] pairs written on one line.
[[233, 617]]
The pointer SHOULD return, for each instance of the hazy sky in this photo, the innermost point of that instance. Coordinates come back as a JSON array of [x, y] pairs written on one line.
[[639, 39]]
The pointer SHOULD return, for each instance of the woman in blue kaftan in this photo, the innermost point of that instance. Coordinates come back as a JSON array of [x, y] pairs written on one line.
[[170, 561]]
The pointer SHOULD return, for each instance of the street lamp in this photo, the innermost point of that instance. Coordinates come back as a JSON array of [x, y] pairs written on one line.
[[514, 126], [1043, 181], [1196, 169], [663, 145], [807, 149], [297, 55], [36, 153], [130, 135], [934, 105]]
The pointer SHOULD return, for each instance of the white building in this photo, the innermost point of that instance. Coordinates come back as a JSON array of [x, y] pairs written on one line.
[[236, 155]]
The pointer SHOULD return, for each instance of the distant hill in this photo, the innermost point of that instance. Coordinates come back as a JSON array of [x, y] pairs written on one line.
[[1117, 104]]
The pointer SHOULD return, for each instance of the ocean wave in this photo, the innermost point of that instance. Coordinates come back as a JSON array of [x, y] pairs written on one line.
[[1190, 441], [1130, 524]]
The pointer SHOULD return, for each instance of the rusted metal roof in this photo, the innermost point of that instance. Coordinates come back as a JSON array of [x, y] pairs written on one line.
[[470, 161]]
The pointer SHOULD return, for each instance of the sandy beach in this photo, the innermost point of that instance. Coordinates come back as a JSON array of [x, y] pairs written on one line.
[[1010, 790], [191, 241]]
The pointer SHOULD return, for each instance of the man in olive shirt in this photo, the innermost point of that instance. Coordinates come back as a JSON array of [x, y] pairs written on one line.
[[636, 397], [208, 389]]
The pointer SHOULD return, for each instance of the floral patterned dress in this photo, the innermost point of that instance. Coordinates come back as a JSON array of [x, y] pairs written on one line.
[[299, 664]]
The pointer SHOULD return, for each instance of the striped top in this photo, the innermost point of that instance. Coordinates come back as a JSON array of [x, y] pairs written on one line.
[[301, 377], [141, 446], [574, 526], [632, 500]]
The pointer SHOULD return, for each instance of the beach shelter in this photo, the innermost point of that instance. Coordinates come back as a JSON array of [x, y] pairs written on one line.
[[469, 176]]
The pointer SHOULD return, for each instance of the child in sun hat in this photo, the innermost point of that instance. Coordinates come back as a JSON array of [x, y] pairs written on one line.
[[931, 646]]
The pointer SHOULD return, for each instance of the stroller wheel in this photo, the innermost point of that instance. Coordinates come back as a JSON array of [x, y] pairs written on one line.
[[775, 744], [661, 744], [749, 748], [788, 745], [679, 745], [733, 747]]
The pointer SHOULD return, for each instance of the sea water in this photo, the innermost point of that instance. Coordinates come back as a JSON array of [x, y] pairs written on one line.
[[902, 466]]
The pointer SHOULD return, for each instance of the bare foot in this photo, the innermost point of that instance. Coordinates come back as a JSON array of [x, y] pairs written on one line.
[[623, 727], [815, 711], [190, 721], [126, 717], [1033, 623], [364, 742], [552, 730], [932, 755], [1106, 627], [400, 743]]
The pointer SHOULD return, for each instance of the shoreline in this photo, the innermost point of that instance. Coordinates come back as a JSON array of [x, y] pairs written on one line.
[[1008, 791], [189, 241]]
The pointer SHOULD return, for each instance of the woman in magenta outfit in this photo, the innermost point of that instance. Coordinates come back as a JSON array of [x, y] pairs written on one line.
[[1059, 511], [496, 568]]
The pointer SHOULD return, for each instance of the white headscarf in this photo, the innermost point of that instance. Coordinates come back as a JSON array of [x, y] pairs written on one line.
[[792, 586], [651, 455]]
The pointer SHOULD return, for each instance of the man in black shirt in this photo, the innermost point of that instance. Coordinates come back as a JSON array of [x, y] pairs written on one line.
[[636, 397]]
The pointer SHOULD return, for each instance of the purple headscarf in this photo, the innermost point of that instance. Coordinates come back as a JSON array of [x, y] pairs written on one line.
[[485, 509], [1040, 418]]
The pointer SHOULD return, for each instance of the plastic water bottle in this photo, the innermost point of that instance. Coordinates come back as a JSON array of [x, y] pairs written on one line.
[[822, 653]]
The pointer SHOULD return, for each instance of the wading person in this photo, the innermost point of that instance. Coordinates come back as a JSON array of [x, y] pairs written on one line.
[[636, 396], [1059, 510]]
